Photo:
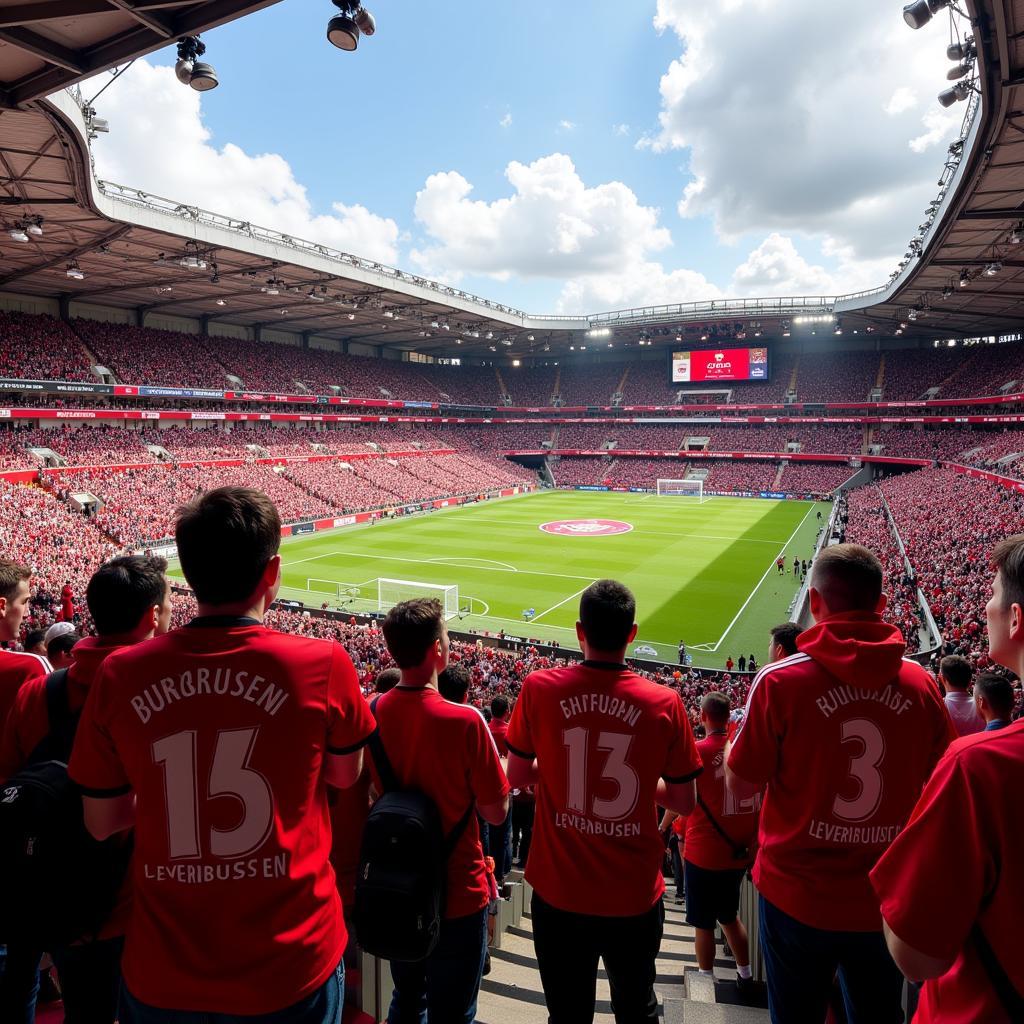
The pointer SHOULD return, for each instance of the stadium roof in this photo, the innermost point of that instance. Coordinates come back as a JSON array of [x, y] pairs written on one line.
[[149, 254], [52, 44]]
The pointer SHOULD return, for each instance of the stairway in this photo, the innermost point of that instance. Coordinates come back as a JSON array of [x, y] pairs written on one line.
[[793, 376], [512, 994], [621, 389], [777, 485], [556, 390], [880, 376], [502, 390]]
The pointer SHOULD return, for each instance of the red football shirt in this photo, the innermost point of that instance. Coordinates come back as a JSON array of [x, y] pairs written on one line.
[[15, 670], [445, 751], [844, 734], [705, 846], [221, 729], [499, 730], [965, 839], [603, 737]]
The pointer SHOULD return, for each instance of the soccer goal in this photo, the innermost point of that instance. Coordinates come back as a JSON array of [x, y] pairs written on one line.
[[682, 489], [341, 593], [391, 592]]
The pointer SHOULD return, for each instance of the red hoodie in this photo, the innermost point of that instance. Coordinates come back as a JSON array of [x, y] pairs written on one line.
[[844, 735]]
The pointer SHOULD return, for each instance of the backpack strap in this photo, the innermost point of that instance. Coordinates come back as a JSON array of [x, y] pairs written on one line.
[[385, 770], [57, 743], [1012, 1000], [738, 851], [389, 780]]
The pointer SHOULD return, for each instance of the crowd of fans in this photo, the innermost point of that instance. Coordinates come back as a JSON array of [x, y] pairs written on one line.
[[813, 477], [41, 348]]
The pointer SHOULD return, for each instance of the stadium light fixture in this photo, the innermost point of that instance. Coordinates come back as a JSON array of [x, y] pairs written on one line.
[[962, 51], [918, 13], [18, 234], [35, 227], [194, 73], [965, 279], [959, 70], [344, 29], [75, 272], [993, 268], [958, 92], [1017, 234], [221, 302]]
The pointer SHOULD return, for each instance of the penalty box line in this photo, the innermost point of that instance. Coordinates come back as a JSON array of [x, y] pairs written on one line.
[[771, 565], [423, 561]]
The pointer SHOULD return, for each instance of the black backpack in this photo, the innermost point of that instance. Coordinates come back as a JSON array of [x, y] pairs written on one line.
[[57, 883], [401, 886]]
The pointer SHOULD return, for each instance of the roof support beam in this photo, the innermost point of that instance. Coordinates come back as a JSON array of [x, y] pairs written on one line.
[[155, 22], [73, 254], [1004, 213], [53, 53], [28, 13]]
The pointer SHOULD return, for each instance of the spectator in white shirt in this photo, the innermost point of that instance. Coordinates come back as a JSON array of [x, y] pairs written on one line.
[[955, 679]]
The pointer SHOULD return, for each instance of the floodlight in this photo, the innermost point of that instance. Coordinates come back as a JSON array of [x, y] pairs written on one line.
[[191, 72], [962, 51], [74, 271], [993, 268], [918, 13], [365, 20], [1017, 235], [965, 279], [958, 92], [959, 71], [36, 228], [221, 302], [342, 30], [18, 234]]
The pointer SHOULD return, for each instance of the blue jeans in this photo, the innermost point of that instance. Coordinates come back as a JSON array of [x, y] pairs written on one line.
[[442, 989], [320, 1007], [802, 961], [19, 984]]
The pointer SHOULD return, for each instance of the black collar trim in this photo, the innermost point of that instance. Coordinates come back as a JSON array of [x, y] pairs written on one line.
[[606, 666]]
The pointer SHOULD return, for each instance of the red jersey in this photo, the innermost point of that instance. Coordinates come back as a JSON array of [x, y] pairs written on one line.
[[221, 729], [28, 722], [499, 730], [967, 812], [445, 751], [603, 737], [844, 734], [16, 669], [705, 847]]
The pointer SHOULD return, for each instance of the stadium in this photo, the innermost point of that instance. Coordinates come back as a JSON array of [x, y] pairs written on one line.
[[418, 440]]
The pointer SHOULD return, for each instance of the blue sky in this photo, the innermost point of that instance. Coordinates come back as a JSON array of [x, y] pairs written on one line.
[[793, 198]]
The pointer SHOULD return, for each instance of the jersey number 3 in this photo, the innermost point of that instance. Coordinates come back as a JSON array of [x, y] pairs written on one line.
[[230, 777], [616, 768], [863, 769]]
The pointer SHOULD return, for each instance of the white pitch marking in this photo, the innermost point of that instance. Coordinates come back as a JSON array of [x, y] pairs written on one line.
[[420, 561], [771, 565], [560, 603], [457, 562]]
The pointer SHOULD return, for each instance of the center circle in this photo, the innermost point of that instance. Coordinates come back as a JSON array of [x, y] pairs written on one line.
[[586, 527]]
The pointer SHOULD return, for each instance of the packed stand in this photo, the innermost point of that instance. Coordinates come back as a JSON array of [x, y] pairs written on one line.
[[740, 476], [941, 445], [813, 477], [836, 376], [41, 348]]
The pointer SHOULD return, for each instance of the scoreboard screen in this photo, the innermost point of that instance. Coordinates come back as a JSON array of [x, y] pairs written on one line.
[[714, 365]]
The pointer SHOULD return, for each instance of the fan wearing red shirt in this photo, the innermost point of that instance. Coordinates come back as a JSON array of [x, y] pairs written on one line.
[[843, 734], [217, 742], [67, 603], [960, 946], [498, 844], [16, 668], [129, 601], [721, 835], [445, 751], [606, 746]]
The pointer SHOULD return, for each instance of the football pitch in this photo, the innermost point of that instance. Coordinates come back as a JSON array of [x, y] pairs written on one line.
[[703, 573]]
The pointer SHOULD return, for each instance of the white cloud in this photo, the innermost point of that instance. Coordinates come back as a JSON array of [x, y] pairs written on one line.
[[902, 99], [567, 126], [506, 121], [158, 142], [780, 104], [621, 129], [598, 239]]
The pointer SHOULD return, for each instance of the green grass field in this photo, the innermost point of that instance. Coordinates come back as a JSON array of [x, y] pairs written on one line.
[[701, 572]]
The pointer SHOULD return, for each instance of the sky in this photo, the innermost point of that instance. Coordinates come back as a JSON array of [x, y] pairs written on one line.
[[569, 157]]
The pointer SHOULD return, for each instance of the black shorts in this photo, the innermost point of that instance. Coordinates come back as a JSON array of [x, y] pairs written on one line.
[[711, 896]]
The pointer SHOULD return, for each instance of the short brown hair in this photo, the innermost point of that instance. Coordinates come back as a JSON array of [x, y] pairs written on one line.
[[607, 612], [784, 635], [225, 539], [956, 671], [411, 627], [998, 691], [716, 706], [11, 574], [1008, 561], [848, 577]]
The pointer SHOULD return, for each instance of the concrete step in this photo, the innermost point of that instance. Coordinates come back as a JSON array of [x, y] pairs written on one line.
[[512, 993]]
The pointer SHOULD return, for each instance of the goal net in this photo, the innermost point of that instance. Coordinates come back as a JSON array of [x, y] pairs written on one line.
[[391, 592], [681, 489]]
